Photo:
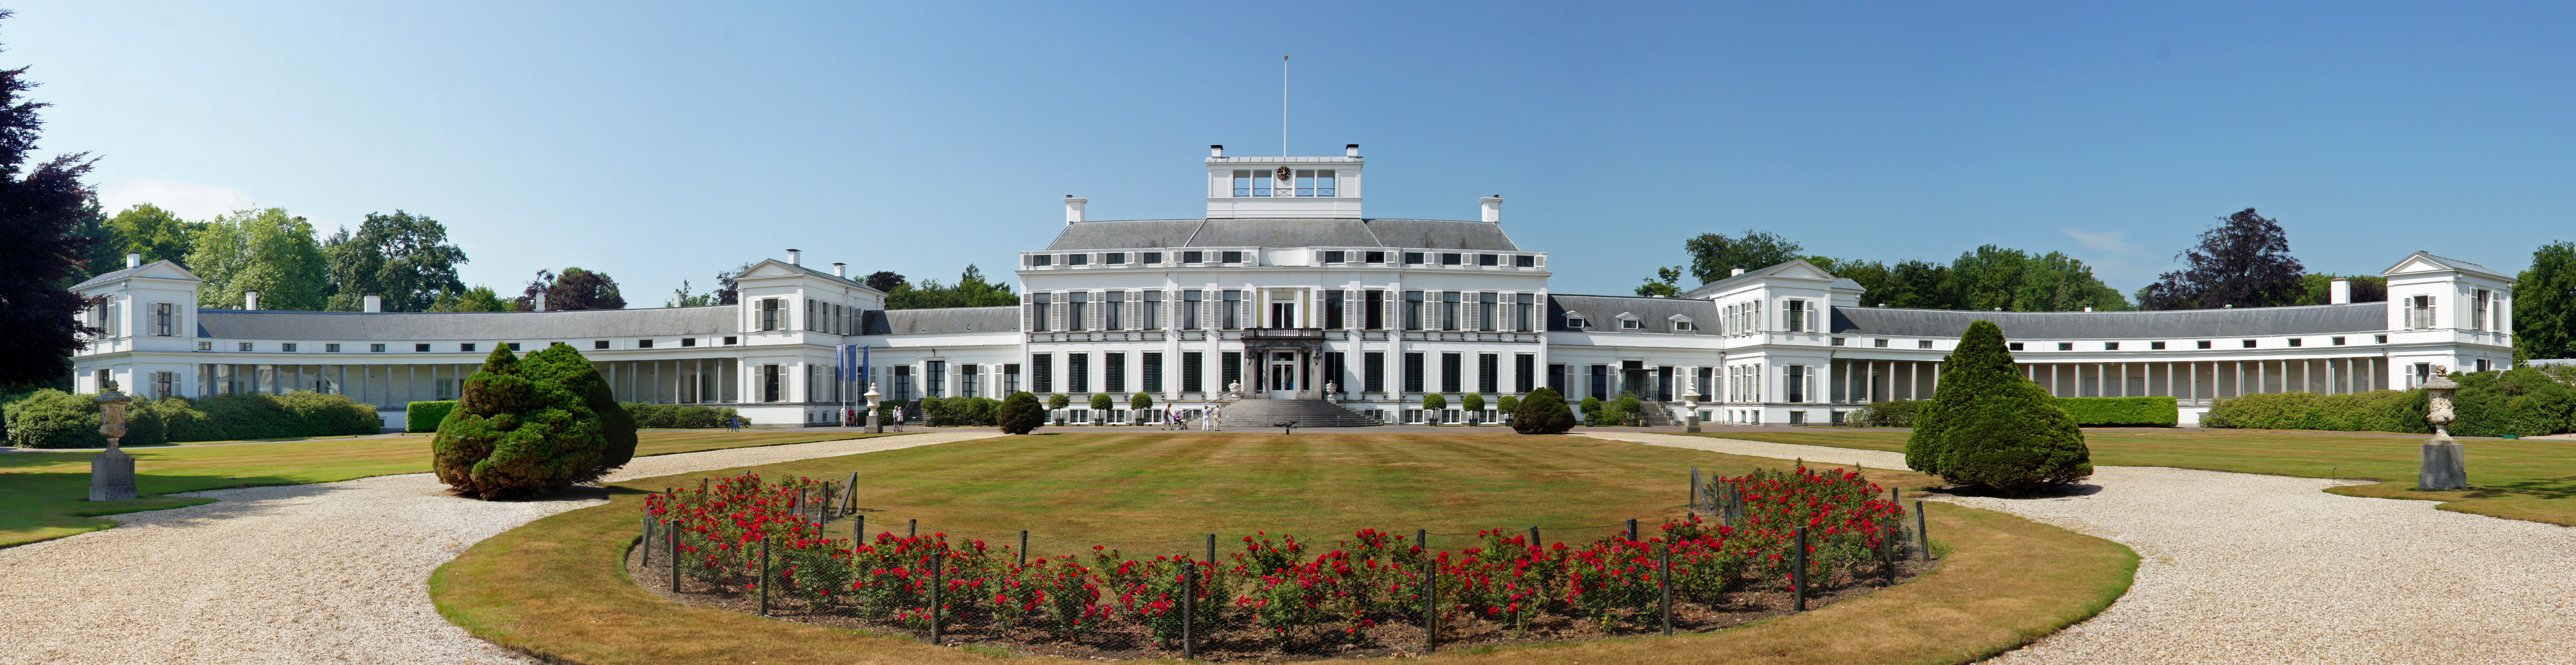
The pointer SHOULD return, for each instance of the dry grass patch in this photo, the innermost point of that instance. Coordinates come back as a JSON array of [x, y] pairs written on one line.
[[557, 587]]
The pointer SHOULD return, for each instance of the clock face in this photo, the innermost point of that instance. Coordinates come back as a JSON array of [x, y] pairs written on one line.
[[1283, 173]]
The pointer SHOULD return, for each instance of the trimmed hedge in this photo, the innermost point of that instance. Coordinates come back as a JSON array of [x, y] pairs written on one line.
[[680, 416], [425, 416], [2524, 402], [2122, 411], [1891, 413], [56, 419]]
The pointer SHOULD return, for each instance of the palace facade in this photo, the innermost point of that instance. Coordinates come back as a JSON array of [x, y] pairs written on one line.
[[1285, 290]]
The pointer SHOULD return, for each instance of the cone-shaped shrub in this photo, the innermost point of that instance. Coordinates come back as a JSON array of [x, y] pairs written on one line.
[[1987, 425], [1543, 412], [1021, 413], [529, 426]]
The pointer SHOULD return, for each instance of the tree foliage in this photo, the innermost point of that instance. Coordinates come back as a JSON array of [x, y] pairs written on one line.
[[971, 290], [1020, 413], [404, 258], [529, 426], [882, 280], [1713, 256], [2544, 304], [477, 299], [683, 298], [2317, 288], [1666, 283], [2244, 261], [1544, 412], [572, 289], [157, 234], [1987, 278], [728, 286], [1988, 425], [264, 250], [41, 248]]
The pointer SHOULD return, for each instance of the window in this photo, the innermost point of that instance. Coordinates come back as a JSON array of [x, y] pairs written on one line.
[[1040, 305], [643, 344], [1112, 315], [161, 383], [1113, 375], [1575, 322], [1489, 370], [1451, 259], [514, 346], [1233, 257], [1192, 375], [1243, 182], [2294, 341], [2155, 346], [1839, 342], [1153, 310], [1521, 311], [688, 341], [1413, 370], [1374, 257], [2249, 344], [600, 344], [2374, 339], [2204, 344], [1525, 260], [970, 380], [1315, 182], [162, 319], [1260, 182], [1073, 306], [729, 341], [1448, 310], [1077, 259], [1334, 256], [1153, 372], [1333, 310], [1449, 367], [1796, 313], [2016, 346], [2065, 346], [2110, 346], [770, 313], [1684, 325], [2338, 341], [1152, 257], [288, 347], [1041, 259], [1413, 310], [1372, 314], [330, 348], [1488, 260], [1114, 258], [769, 388], [375, 348], [1413, 258], [1626, 323], [1233, 310], [210, 346], [937, 371], [1232, 371], [1922, 344], [1192, 257], [1878, 343], [1373, 372], [1042, 373], [1601, 381], [1010, 379], [1485, 312], [1190, 309]]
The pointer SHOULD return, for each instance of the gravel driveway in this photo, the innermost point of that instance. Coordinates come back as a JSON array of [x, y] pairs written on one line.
[[2271, 569], [247, 580]]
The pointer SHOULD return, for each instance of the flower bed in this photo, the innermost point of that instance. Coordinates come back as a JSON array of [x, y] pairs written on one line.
[[760, 546]]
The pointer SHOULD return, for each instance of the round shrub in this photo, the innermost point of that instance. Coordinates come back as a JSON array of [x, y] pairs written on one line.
[[1987, 425], [1021, 413], [318, 414], [1544, 412], [529, 426], [52, 418]]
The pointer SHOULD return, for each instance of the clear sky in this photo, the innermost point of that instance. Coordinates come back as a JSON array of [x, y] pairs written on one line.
[[667, 141]]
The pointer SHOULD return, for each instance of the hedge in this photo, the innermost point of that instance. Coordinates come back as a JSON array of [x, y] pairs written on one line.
[[2523, 402], [2122, 411], [56, 419], [680, 416], [425, 416]]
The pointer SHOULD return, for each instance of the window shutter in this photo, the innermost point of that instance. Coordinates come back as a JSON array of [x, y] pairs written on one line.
[[1813, 316], [1097, 314], [111, 319], [1246, 310], [2432, 310], [1055, 312], [1028, 313], [1506, 311], [1810, 383]]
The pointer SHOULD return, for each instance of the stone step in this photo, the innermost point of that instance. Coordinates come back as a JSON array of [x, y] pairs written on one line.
[[1257, 413]]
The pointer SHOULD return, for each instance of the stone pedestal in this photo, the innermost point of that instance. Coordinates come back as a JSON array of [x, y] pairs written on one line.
[[873, 427], [111, 476], [2443, 468], [1691, 423]]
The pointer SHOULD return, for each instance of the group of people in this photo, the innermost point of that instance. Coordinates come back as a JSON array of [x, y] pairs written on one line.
[[1207, 419]]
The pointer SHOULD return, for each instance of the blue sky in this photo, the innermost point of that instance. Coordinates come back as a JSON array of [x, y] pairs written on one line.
[[667, 141]]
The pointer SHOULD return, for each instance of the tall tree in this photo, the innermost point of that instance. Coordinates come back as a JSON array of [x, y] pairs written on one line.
[[574, 288], [1666, 283], [1713, 256], [2544, 304], [403, 257], [683, 298], [154, 232], [41, 211], [883, 280], [728, 289], [2244, 262], [477, 299], [264, 250], [971, 291]]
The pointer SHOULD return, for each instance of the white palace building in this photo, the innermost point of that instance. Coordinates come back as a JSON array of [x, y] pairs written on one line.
[[1288, 289]]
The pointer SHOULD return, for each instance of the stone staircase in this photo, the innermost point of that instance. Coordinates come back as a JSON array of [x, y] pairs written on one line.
[[1261, 413], [1659, 414]]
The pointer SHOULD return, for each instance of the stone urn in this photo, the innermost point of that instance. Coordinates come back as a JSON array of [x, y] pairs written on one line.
[[111, 473], [2443, 468]]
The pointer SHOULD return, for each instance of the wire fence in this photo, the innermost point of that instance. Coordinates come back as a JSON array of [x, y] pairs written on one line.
[[1753, 547]]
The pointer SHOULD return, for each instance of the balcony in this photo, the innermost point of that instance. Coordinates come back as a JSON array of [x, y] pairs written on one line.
[[1283, 334]]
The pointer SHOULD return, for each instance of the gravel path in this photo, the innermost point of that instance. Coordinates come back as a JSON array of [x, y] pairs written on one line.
[[247, 580], [2271, 569]]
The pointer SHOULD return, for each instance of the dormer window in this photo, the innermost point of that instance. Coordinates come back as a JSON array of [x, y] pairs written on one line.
[[1575, 321], [1630, 322], [1682, 325]]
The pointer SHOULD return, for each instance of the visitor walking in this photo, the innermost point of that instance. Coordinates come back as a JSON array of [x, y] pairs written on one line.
[[898, 419], [733, 424]]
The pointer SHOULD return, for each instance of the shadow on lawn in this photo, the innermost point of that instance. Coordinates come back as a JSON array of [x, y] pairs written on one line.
[[2562, 487], [2068, 490]]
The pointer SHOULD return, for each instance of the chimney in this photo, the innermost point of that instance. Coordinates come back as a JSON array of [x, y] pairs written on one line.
[[679, 298], [1073, 209], [841, 270], [1352, 150], [1493, 208], [2087, 307], [134, 259], [1216, 151], [375, 303], [1737, 271], [2339, 291], [541, 299], [795, 257], [250, 300]]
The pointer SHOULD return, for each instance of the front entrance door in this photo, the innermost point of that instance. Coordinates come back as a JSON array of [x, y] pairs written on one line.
[[1282, 375]]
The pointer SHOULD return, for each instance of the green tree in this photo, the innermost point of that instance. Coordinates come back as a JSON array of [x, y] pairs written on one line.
[[572, 289], [683, 298], [2544, 304], [1508, 405], [2317, 288], [1435, 402], [1058, 401], [157, 234], [529, 426], [1020, 413], [1713, 256], [1543, 413], [1987, 425], [1473, 404], [477, 299], [1666, 283], [971, 290], [263, 250], [404, 258]]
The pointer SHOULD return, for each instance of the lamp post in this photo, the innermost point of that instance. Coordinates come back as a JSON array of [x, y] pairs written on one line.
[[1690, 400], [873, 426], [111, 473], [2443, 468]]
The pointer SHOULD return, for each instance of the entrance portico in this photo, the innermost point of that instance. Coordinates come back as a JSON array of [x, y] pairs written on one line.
[[1283, 363]]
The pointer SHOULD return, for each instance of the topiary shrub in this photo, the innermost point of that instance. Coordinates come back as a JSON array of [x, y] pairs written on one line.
[[1021, 413], [1473, 404], [1543, 413], [530, 426], [1591, 410], [1987, 425], [1508, 405], [2122, 411], [425, 416], [1891, 413]]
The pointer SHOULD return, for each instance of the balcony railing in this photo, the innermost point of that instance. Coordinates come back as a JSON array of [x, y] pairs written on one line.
[[1284, 334]]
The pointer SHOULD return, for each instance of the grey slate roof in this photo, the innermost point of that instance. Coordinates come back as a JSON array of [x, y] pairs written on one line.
[[2167, 324], [468, 326], [1712, 287], [1601, 313], [944, 320], [1153, 233]]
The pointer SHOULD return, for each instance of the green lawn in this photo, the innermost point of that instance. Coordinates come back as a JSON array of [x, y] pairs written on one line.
[[44, 495], [556, 587], [2518, 479]]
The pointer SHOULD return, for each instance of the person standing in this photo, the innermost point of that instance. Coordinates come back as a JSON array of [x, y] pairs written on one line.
[[898, 419]]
